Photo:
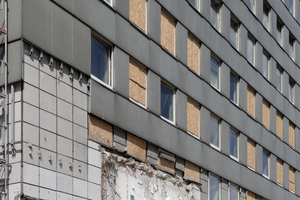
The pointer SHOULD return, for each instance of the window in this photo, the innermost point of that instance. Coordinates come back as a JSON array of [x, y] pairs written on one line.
[[251, 153], [292, 179], [193, 117], [167, 102], [251, 101], [265, 65], [279, 32], [214, 188], [251, 196], [193, 53], [251, 5], [291, 90], [137, 82], [233, 192], [100, 60], [279, 169], [266, 114], [195, 3], [250, 50], [234, 137], [215, 14], [214, 72], [291, 6], [266, 20], [292, 135], [279, 125], [137, 13], [266, 156], [278, 78], [214, 131], [167, 32], [291, 46], [234, 26], [233, 88]]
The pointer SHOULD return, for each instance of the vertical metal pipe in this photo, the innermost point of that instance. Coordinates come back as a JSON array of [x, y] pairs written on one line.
[[12, 115], [6, 101]]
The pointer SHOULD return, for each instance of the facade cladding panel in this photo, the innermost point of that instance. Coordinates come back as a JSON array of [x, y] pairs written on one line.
[[152, 99]]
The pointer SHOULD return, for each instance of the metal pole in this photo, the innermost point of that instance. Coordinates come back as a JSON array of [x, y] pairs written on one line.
[[6, 109]]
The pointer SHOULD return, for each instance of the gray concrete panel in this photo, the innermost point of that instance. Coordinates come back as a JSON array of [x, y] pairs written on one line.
[[204, 125], [225, 21], [205, 9], [205, 63], [259, 159], [180, 10], [122, 32], [134, 119], [180, 164], [243, 148], [273, 23], [243, 34], [225, 80], [285, 38], [39, 13], [273, 113], [152, 150], [192, 18], [243, 94], [259, 10], [108, 17], [183, 77], [194, 86], [81, 9], [122, 7], [14, 20], [121, 72], [181, 43], [297, 139], [296, 101], [119, 135], [258, 107], [273, 168], [153, 25], [144, 49], [286, 176], [225, 138], [297, 182], [66, 4], [121, 108], [153, 92], [272, 71], [154, 56], [181, 110], [285, 133], [258, 56]]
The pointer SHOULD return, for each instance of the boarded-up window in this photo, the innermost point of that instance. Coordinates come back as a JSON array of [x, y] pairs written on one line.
[[136, 147], [137, 82], [292, 179], [279, 171], [251, 101], [168, 33], [193, 117], [279, 125], [291, 135], [101, 132], [193, 54], [266, 114], [137, 9], [166, 165], [251, 153], [191, 172], [250, 196]]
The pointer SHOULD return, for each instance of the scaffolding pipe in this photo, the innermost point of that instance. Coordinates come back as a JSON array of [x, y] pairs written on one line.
[[6, 109]]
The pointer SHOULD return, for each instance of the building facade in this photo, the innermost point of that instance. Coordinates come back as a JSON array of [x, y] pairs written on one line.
[[153, 99]]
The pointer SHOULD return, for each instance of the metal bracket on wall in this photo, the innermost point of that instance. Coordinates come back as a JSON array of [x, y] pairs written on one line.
[[41, 56], [71, 73], [30, 50], [61, 67], [51, 61]]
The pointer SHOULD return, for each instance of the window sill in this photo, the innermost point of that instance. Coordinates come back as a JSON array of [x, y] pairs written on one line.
[[279, 184], [250, 168], [292, 191], [137, 103], [102, 83], [193, 135], [267, 177], [215, 147], [234, 158], [167, 120]]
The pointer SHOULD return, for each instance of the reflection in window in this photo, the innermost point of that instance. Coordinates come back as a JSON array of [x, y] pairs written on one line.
[[234, 33], [265, 163], [214, 193], [233, 192], [214, 72], [214, 14], [233, 143], [214, 131], [166, 102], [278, 78], [233, 88]]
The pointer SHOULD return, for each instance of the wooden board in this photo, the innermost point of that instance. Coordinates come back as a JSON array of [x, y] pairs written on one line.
[[137, 82], [279, 166], [100, 131], [251, 102], [266, 114], [251, 153], [193, 54], [292, 179], [137, 13], [291, 135], [136, 147], [167, 33], [193, 117], [250, 195], [191, 172], [166, 165], [279, 125]]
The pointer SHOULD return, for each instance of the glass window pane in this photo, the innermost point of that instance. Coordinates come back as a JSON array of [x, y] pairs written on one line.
[[214, 15], [291, 47], [233, 143], [266, 16], [265, 163], [100, 60], [193, 2], [214, 72], [278, 79], [250, 49], [278, 32], [213, 188], [233, 33], [233, 88], [291, 92], [265, 65], [166, 102], [291, 6], [214, 131], [234, 193]]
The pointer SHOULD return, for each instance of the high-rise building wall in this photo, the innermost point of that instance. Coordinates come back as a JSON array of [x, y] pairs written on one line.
[[154, 99]]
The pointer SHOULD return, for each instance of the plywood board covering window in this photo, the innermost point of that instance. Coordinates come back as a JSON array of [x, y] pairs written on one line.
[[193, 115], [279, 125], [136, 147], [251, 102], [168, 33], [279, 166], [291, 135], [166, 165], [191, 172], [100, 131], [250, 196], [193, 54], [251, 153], [266, 114], [137, 9], [292, 179], [137, 82]]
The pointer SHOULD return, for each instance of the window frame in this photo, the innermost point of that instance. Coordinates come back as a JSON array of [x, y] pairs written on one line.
[[173, 100], [215, 8], [219, 72], [229, 189], [266, 16], [237, 143], [291, 7], [219, 185], [251, 38], [279, 26], [232, 74], [110, 59], [268, 163], [197, 4], [280, 70], [267, 56], [291, 46], [219, 132], [234, 30], [291, 96], [251, 6]]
